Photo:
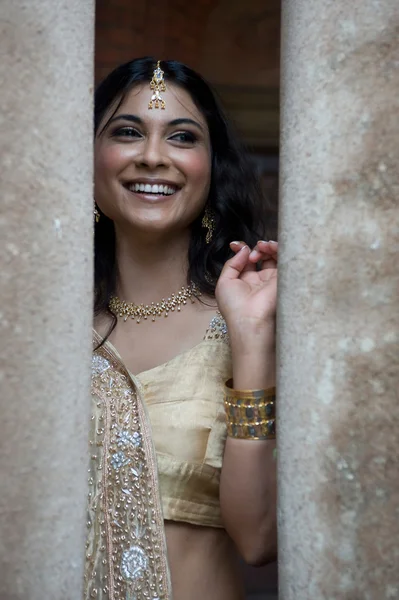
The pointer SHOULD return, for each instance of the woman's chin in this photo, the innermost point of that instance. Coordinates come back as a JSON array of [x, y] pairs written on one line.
[[160, 227]]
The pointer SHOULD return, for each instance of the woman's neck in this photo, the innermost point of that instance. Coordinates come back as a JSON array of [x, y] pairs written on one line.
[[150, 270]]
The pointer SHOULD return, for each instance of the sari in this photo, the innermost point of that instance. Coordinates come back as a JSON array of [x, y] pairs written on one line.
[[126, 554]]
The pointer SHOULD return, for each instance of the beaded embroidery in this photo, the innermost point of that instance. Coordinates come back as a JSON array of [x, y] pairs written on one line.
[[217, 329], [126, 549], [99, 364]]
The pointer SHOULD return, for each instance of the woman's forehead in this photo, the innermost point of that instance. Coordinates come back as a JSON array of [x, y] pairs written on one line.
[[178, 104]]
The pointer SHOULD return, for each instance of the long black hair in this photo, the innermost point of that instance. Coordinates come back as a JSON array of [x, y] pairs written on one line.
[[234, 198]]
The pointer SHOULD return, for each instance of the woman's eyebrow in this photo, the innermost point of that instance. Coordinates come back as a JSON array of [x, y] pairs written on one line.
[[176, 122], [132, 118], [139, 121]]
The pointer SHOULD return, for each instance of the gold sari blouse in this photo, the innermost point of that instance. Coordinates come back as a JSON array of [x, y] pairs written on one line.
[[184, 402], [156, 447]]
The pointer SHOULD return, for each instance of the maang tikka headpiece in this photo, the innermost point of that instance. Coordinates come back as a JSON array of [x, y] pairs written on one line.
[[157, 85]]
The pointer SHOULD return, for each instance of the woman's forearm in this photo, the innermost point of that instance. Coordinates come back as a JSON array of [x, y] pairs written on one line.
[[248, 480], [248, 498]]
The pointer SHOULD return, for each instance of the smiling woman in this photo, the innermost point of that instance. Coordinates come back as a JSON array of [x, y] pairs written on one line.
[[181, 477], [147, 149]]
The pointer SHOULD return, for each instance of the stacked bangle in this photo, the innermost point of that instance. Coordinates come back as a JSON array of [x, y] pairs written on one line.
[[250, 414]]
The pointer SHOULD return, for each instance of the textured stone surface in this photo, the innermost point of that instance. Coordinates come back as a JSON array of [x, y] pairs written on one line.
[[338, 312], [45, 293]]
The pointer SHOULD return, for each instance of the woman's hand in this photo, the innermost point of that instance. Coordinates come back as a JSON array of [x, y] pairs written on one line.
[[247, 296], [247, 300]]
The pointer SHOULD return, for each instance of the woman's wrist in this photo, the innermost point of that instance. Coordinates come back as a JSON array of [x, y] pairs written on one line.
[[254, 355], [251, 336], [255, 370]]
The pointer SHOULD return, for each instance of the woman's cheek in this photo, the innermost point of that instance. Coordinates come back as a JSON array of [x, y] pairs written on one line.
[[107, 164], [112, 159], [202, 172], [197, 165]]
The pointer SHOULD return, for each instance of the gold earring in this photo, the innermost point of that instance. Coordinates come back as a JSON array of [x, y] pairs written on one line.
[[208, 222], [96, 214]]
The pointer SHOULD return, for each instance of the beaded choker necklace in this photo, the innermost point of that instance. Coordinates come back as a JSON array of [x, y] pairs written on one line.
[[138, 312]]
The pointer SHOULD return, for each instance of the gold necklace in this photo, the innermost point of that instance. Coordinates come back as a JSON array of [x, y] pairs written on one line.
[[153, 310]]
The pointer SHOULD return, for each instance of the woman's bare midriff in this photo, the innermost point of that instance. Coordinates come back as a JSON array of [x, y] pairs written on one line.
[[203, 563]]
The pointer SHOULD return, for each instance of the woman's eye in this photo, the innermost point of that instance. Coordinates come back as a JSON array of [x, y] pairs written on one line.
[[184, 137], [126, 132]]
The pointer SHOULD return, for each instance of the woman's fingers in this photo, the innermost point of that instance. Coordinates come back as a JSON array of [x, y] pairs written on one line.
[[237, 264], [237, 247], [264, 251], [261, 247]]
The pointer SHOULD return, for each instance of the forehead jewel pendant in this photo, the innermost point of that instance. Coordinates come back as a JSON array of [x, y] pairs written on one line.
[[157, 86]]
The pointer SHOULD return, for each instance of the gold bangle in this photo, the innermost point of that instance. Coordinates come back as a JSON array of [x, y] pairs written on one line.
[[250, 414]]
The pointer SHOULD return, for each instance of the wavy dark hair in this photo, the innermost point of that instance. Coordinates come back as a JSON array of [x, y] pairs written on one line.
[[235, 196]]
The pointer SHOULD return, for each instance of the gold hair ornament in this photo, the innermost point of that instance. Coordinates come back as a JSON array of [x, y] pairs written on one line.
[[157, 85]]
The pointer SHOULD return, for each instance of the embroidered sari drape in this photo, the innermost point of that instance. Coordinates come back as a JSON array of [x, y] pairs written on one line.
[[126, 556]]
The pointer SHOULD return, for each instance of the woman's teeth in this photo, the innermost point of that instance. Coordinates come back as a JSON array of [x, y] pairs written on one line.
[[152, 189]]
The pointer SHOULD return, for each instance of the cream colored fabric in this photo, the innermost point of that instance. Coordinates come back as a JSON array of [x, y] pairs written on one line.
[[156, 447], [126, 557], [184, 401]]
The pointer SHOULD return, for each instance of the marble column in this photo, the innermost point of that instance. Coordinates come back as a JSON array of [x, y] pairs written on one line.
[[338, 305], [46, 74]]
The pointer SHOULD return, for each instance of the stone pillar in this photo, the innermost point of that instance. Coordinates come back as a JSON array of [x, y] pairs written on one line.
[[338, 307], [46, 73]]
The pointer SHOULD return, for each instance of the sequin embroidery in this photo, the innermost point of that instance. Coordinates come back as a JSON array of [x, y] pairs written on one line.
[[99, 364], [126, 548], [134, 564], [217, 329]]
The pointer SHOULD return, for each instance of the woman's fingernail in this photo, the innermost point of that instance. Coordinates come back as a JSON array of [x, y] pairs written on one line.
[[244, 248], [235, 243], [272, 242]]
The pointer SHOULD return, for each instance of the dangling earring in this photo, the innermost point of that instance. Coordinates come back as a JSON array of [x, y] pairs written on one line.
[[96, 214], [208, 222]]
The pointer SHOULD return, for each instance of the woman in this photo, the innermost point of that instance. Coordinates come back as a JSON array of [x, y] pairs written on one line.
[[171, 494]]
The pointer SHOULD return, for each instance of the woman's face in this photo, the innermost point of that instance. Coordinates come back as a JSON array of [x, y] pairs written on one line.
[[153, 166]]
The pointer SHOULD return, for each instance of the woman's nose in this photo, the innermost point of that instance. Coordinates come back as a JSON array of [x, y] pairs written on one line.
[[153, 153]]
